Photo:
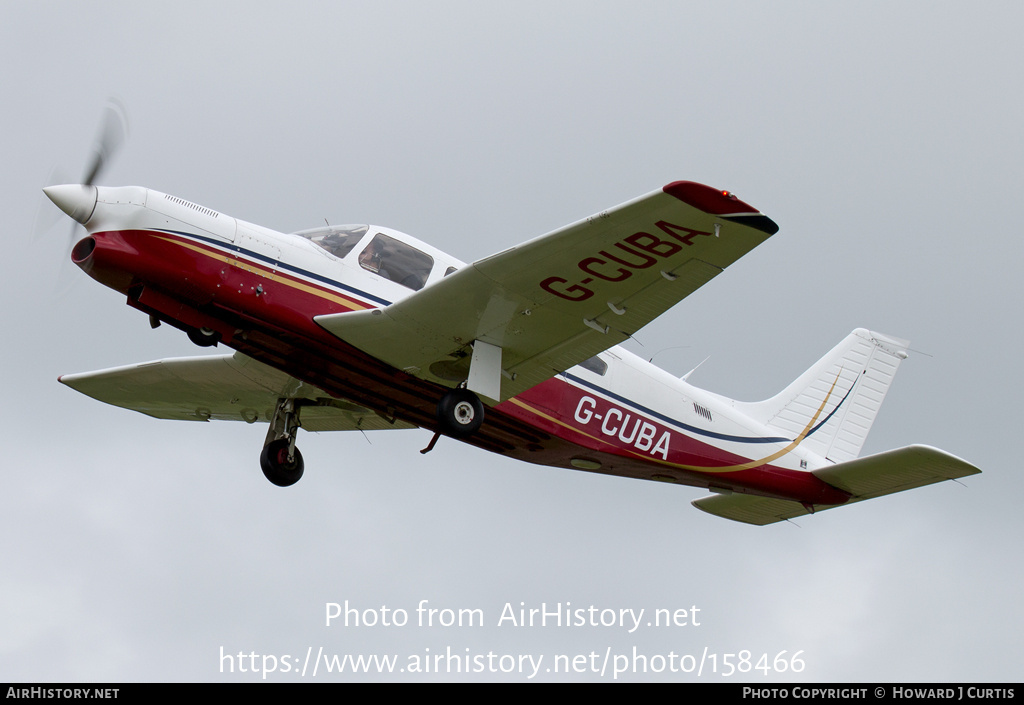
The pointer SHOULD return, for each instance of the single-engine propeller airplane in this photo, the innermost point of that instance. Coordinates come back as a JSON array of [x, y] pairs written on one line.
[[361, 327]]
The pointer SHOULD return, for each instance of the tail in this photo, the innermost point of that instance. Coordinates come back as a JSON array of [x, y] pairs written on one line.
[[841, 394], [835, 402]]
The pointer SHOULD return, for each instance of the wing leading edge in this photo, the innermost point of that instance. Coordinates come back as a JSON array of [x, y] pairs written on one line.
[[551, 303]]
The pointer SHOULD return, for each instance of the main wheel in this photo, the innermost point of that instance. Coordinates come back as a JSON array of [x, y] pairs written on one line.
[[276, 468], [203, 337], [460, 413]]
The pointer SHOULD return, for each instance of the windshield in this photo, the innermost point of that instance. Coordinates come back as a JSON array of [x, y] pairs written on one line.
[[336, 239]]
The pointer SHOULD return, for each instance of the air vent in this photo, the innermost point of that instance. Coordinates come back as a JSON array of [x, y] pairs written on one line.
[[702, 411], [193, 206]]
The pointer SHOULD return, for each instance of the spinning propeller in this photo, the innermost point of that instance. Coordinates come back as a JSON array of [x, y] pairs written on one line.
[[78, 200]]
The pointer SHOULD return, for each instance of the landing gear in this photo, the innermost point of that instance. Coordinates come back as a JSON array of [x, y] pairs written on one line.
[[280, 460], [203, 337], [460, 413]]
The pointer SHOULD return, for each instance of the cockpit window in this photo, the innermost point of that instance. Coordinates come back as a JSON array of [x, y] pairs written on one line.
[[336, 239], [397, 261]]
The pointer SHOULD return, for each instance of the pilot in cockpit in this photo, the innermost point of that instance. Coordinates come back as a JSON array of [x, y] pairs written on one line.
[[370, 258]]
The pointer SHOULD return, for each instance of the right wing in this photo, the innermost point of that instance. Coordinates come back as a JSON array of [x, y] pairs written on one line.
[[548, 304], [230, 387]]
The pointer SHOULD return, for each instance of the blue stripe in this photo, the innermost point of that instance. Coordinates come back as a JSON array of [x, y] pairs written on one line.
[[670, 421], [693, 429], [825, 420]]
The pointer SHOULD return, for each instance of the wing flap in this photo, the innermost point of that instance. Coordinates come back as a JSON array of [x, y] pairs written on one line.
[[220, 387], [557, 300]]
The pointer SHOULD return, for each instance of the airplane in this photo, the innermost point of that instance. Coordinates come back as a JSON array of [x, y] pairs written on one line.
[[360, 327]]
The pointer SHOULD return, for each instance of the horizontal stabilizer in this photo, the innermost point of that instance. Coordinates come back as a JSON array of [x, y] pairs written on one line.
[[864, 478], [750, 509], [895, 471]]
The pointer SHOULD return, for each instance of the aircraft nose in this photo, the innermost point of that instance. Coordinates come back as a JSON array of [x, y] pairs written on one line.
[[77, 200]]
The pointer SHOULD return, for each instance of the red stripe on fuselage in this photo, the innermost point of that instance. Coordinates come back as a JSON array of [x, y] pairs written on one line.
[[624, 436]]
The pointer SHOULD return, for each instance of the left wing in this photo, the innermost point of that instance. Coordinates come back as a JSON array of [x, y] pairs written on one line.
[[510, 321], [221, 387]]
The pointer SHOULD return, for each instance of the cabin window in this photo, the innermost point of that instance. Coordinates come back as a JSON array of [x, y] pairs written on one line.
[[393, 259], [595, 365]]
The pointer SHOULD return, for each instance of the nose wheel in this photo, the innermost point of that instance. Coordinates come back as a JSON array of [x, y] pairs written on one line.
[[203, 337], [460, 413]]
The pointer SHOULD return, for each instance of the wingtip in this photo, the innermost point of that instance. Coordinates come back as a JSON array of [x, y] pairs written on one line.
[[708, 199], [721, 203]]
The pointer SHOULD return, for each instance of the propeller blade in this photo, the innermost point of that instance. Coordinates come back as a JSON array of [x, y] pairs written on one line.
[[78, 200], [112, 134]]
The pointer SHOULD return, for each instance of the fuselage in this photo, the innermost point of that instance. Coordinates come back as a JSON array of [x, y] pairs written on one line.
[[257, 291]]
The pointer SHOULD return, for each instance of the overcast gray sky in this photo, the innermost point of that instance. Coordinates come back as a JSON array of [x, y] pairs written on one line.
[[885, 140]]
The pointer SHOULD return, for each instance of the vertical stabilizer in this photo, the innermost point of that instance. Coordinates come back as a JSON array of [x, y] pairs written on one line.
[[851, 382]]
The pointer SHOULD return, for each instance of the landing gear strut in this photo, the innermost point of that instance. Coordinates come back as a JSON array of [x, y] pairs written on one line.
[[460, 413], [280, 460]]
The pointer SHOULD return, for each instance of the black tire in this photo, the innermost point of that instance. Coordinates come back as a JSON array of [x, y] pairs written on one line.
[[276, 468], [203, 337], [460, 413]]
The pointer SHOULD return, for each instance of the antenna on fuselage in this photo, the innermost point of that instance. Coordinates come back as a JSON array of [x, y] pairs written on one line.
[[695, 368]]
